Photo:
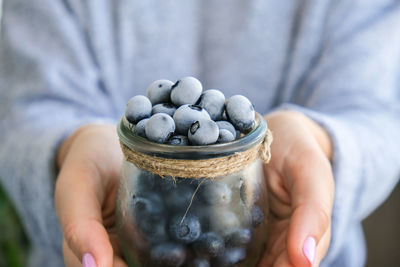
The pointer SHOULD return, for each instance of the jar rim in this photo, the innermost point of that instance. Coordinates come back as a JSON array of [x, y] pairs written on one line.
[[145, 146]]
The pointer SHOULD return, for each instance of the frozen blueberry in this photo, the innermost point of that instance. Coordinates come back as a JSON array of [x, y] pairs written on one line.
[[138, 108], [186, 91], [238, 237], [215, 193], [147, 205], [225, 136], [187, 231], [187, 114], [164, 108], [153, 229], [145, 181], [240, 112], [203, 132], [178, 140], [209, 245], [159, 128], [168, 254], [159, 91], [179, 197], [139, 128], [199, 262], [257, 216], [231, 257], [238, 134], [165, 184], [226, 125], [223, 220], [214, 102]]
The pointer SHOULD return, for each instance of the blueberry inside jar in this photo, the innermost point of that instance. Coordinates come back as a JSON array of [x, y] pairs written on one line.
[[185, 199]]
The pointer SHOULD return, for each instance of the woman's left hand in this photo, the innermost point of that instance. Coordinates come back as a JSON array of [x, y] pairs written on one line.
[[301, 188]]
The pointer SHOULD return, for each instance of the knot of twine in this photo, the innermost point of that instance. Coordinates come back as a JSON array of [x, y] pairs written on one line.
[[210, 168]]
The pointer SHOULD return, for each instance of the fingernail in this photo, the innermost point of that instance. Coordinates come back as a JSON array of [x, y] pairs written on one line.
[[88, 260], [309, 249]]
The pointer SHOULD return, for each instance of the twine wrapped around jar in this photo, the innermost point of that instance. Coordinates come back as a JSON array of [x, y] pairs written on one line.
[[201, 168]]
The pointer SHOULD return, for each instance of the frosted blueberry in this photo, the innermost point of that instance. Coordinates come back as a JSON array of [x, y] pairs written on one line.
[[186, 91], [187, 231], [216, 193], [144, 182], [159, 91], [214, 102], [187, 114], [238, 134], [147, 205], [153, 229], [223, 220], [209, 245], [227, 126], [257, 216], [179, 140], [231, 257], [199, 262], [140, 128], [159, 128], [225, 136], [240, 112], [238, 237], [167, 108], [138, 108], [179, 198], [168, 254], [165, 184], [203, 132]]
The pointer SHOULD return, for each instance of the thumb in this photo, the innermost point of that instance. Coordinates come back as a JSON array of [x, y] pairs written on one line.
[[311, 190], [78, 198]]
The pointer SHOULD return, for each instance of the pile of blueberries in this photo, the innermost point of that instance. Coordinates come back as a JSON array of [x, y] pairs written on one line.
[[182, 114], [215, 230]]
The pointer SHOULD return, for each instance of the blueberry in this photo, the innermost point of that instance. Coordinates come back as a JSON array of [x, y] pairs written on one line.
[[179, 140], [147, 205], [159, 91], [238, 134], [153, 229], [145, 181], [168, 254], [225, 136], [238, 237], [203, 132], [187, 231], [231, 257], [138, 108], [199, 262], [140, 128], [215, 192], [186, 91], [179, 197], [164, 108], [214, 102], [223, 220], [209, 245], [226, 125], [159, 128], [165, 184], [187, 114], [240, 112], [257, 216]]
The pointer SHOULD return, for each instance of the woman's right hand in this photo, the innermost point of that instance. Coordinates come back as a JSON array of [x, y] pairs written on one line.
[[90, 162]]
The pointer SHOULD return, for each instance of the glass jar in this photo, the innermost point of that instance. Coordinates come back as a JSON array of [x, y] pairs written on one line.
[[192, 221]]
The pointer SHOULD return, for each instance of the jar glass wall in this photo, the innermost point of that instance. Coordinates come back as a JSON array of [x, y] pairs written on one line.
[[179, 221]]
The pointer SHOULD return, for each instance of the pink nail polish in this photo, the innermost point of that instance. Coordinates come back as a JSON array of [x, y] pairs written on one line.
[[88, 260], [309, 249]]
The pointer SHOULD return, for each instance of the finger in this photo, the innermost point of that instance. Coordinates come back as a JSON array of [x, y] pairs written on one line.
[[79, 195], [72, 261], [322, 247], [310, 183], [283, 260]]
